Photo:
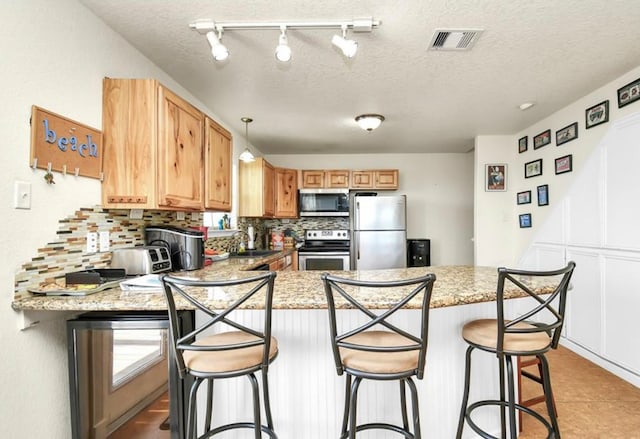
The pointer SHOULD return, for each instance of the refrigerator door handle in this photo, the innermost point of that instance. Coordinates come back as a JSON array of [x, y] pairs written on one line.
[[357, 246]]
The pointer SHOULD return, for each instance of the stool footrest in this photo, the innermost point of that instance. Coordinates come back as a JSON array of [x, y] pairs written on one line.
[[497, 402], [380, 426], [237, 425]]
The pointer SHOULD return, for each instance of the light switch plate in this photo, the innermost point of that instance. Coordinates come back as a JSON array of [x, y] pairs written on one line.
[[22, 195], [180, 216], [136, 213]]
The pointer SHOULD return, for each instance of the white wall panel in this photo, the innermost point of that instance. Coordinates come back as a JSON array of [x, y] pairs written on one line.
[[622, 186], [549, 257], [584, 206], [553, 230], [621, 305], [585, 307]]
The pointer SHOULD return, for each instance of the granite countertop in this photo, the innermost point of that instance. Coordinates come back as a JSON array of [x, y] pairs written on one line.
[[455, 285]]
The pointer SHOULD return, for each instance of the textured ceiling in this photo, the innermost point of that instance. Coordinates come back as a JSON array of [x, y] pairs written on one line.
[[548, 51]]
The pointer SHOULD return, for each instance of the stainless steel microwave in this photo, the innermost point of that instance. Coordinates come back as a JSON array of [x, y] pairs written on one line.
[[323, 202]]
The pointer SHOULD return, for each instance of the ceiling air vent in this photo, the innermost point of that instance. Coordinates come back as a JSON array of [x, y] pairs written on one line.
[[450, 39]]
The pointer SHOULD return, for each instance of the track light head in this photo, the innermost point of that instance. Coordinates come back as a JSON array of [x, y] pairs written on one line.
[[218, 50], [283, 51], [348, 47]]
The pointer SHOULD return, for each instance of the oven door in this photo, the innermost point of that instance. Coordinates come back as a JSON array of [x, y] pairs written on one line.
[[323, 261]]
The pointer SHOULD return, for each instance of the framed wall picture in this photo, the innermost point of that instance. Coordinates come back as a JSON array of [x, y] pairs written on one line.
[[496, 177], [596, 115], [567, 134], [543, 195], [533, 168], [542, 139], [629, 93], [564, 164], [522, 144], [525, 220], [524, 197]]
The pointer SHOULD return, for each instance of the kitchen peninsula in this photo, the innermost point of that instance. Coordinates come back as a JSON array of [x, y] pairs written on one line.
[[306, 393]]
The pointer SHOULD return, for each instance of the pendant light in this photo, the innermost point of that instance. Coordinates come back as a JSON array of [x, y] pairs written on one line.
[[246, 155]]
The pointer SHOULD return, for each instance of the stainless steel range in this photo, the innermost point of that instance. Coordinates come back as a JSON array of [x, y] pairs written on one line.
[[324, 250]]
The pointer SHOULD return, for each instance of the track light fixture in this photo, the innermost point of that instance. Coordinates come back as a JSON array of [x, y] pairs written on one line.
[[283, 51], [246, 155], [369, 122], [213, 31], [348, 47], [218, 50]]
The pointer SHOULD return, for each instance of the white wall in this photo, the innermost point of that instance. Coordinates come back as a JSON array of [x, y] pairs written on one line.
[[493, 211], [439, 189], [591, 218], [54, 55]]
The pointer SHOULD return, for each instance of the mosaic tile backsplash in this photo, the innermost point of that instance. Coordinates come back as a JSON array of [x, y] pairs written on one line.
[[67, 253]]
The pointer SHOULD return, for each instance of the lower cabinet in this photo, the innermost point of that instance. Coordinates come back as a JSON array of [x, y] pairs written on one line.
[[285, 263]]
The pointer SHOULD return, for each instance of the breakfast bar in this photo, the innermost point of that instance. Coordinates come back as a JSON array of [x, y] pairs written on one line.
[[306, 393]]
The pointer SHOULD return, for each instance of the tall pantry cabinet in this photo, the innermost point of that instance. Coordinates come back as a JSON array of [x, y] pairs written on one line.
[[158, 149]]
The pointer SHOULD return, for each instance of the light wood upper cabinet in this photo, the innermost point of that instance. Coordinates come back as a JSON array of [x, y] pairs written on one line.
[[256, 189], [217, 159], [129, 133], [180, 153], [375, 179], [153, 147], [386, 179], [337, 179], [313, 179], [286, 193]]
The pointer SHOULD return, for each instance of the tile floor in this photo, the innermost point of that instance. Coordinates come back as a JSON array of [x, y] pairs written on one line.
[[591, 402]]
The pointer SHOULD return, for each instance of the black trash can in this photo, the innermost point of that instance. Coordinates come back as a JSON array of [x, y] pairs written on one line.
[[418, 252]]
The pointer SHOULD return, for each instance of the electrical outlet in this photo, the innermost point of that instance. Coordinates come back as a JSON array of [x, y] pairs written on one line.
[[195, 216], [104, 241], [180, 216], [136, 213], [92, 242]]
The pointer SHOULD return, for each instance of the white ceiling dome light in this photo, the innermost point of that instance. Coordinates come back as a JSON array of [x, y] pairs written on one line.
[[369, 122]]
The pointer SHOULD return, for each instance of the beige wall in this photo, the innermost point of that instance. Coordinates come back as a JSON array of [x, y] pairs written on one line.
[[439, 189]]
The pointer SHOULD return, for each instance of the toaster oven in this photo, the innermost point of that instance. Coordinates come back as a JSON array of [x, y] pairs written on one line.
[[141, 260]]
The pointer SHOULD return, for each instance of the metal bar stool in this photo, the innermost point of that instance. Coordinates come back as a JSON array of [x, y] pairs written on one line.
[[532, 333], [365, 352], [239, 351]]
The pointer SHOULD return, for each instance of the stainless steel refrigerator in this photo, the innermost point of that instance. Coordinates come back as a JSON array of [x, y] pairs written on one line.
[[378, 231]]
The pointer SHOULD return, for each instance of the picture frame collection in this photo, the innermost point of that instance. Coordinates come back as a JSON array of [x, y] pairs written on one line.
[[595, 115]]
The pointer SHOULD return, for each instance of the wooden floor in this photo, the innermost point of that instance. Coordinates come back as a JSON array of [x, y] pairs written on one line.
[[148, 424], [592, 404]]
